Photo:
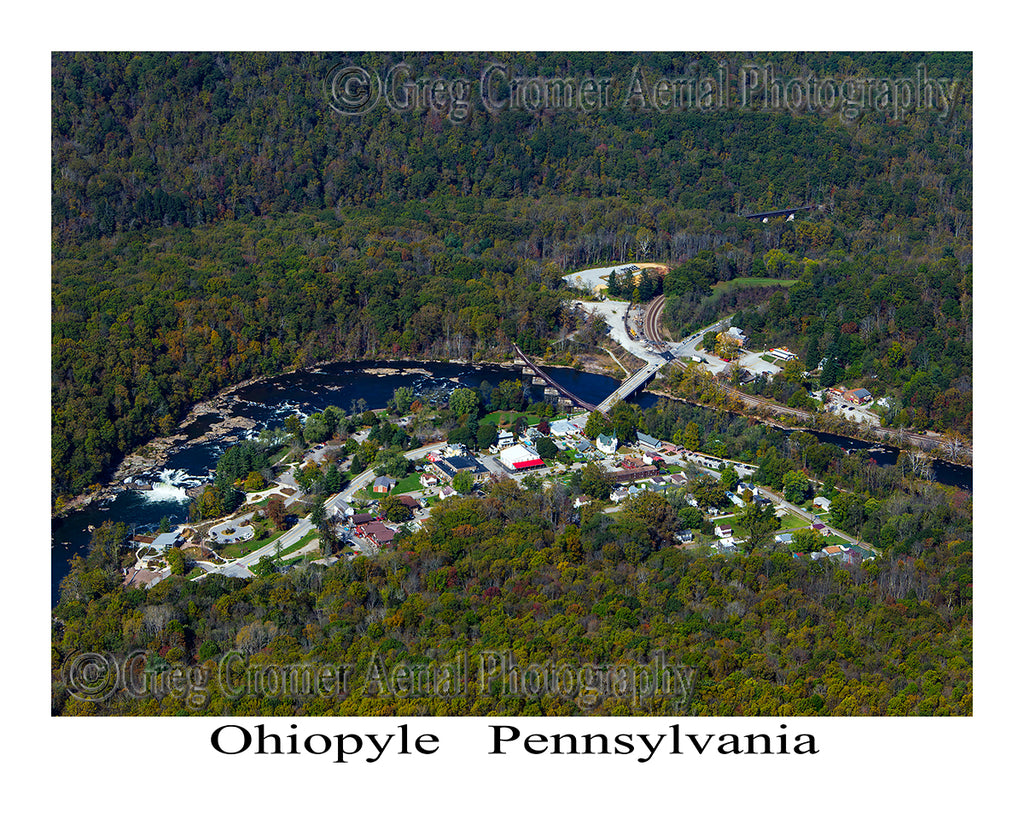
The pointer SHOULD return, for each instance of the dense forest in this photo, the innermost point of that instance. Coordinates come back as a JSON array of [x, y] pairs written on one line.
[[515, 571], [214, 220], [901, 327]]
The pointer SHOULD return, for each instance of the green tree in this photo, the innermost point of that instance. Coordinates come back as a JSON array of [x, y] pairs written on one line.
[[729, 478], [464, 401], [546, 449], [796, 486], [265, 567], [655, 512], [596, 425], [176, 560], [808, 540], [293, 426], [847, 512], [594, 482], [508, 395], [625, 419], [402, 399], [391, 508], [462, 482], [486, 436], [761, 524], [691, 436], [709, 493], [316, 428]]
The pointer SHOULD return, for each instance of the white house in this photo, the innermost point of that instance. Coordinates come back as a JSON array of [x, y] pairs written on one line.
[[563, 427], [607, 444]]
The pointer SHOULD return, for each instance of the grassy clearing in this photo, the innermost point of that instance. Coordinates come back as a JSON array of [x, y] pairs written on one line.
[[752, 281], [504, 418], [790, 521], [410, 483], [233, 551]]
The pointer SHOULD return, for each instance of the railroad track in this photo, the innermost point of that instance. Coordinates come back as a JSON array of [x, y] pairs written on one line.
[[652, 320], [652, 331]]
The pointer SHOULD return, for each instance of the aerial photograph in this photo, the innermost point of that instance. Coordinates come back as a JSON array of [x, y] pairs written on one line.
[[512, 384]]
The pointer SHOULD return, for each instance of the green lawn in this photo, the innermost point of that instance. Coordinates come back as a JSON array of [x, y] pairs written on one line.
[[752, 281], [504, 418], [232, 551], [791, 521], [410, 483]]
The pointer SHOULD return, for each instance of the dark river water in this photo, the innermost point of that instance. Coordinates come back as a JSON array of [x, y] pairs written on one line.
[[348, 386]]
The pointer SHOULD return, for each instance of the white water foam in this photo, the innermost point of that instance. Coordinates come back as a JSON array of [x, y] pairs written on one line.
[[170, 487]]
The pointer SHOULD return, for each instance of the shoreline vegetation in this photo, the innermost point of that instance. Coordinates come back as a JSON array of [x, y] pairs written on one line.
[[153, 454]]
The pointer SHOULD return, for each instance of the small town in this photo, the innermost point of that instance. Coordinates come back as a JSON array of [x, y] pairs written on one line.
[[275, 529]]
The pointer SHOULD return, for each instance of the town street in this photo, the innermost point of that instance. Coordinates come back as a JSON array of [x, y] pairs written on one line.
[[242, 566]]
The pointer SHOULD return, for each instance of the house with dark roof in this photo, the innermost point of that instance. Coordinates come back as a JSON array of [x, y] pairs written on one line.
[[377, 532], [630, 475], [858, 396], [384, 484], [446, 468]]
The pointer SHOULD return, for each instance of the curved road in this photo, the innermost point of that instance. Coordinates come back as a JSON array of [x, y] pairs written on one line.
[[242, 566], [652, 329]]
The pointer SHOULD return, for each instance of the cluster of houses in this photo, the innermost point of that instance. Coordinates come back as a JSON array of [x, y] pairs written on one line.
[[368, 525], [847, 553], [632, 474]]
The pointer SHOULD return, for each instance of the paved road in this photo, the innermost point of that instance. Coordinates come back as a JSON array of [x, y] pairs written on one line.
[[688, 348], [241, 567]]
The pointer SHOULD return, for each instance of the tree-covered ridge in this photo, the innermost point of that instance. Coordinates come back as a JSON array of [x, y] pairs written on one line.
[[516, 571], [212, 222], [900, 326], [143, 328], [142, 140]]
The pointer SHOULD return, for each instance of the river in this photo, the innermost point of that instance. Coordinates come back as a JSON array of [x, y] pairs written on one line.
[[351, 386]]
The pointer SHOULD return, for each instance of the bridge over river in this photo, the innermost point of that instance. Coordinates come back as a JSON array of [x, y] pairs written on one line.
[[633, 384]]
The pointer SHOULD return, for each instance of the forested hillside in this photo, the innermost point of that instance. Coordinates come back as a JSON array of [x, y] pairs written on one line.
[[155, 139], [515, 572], [213, 220]]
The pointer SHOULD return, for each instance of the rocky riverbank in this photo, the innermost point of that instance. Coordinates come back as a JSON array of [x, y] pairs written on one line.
[[153, 455]]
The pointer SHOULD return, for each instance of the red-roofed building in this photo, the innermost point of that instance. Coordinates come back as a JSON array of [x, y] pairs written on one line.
[[520, 457], [378, 533]]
